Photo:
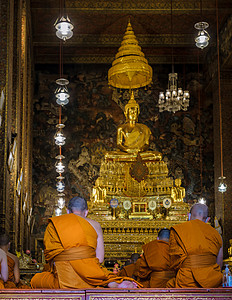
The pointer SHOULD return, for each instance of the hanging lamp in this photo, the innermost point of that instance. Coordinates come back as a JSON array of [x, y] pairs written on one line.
[[59, 136], [202, 39], [61, 93], [222, 187], [64, 28]]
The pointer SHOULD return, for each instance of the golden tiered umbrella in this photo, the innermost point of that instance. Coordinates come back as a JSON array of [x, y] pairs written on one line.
[[130, 69]]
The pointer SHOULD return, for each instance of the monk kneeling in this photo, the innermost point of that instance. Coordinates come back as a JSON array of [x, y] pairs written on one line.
[[196, 251], [154, 266], [13, 280], [4, 269], [74, 248], [129, 269]]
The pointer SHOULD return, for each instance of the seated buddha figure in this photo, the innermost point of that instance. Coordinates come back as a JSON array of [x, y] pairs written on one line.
[[133, 137], [178, 192]]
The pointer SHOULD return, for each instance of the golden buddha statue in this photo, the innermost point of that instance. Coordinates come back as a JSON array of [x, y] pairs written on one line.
[[178, 192], [133, 137], [179, 208]]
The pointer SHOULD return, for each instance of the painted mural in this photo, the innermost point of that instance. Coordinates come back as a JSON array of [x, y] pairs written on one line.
[[91, 119]]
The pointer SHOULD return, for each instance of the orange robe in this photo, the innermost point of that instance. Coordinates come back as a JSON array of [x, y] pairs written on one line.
[[10, 284], [127, 270], [194, 246], [154, 269], [70, 248]]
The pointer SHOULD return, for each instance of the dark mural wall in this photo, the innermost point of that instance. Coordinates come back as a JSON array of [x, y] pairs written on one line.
[[91, 119]]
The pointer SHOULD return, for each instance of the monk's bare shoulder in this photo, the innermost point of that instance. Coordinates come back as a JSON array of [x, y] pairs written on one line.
[[95, 225], [2, 255], [14, 257]]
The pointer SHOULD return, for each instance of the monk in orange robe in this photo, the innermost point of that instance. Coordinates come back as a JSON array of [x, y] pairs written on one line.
[[154, 268], [3, 269], [196, 252], [74, 248], [129, 269], [13, 280]]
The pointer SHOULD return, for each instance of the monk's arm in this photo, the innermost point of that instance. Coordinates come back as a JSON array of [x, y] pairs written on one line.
[[100, 252], [4, 266], [220, 257], [142, 268], [176, 250], [16, 270]]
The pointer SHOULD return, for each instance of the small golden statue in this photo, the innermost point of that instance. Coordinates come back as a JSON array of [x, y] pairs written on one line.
[[230, 250], [178, 192]]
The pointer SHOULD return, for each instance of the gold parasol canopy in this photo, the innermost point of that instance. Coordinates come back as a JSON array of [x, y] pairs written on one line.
[[130, 69]]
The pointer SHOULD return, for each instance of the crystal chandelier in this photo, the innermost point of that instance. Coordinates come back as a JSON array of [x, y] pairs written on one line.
[[61, 92], [174, 99], [64, 28], [59, 136], [222, 187], [202, 39]]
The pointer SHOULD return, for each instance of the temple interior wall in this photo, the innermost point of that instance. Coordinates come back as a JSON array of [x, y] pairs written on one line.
[[16, 119]]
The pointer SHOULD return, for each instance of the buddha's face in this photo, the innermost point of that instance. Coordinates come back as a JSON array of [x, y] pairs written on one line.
[[132, 113]]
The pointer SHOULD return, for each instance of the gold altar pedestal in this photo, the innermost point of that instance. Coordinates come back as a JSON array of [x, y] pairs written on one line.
[[124, 237], [178, 211]]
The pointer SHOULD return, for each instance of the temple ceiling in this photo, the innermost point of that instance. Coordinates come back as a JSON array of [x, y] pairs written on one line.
[[100, 25]]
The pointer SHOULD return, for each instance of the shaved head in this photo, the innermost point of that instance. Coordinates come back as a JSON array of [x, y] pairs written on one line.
[[164, 234], [134, 257], [77, 204], [199, 211], [4, 239]]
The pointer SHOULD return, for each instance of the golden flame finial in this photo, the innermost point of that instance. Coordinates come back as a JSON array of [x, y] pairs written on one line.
[[130, 68]]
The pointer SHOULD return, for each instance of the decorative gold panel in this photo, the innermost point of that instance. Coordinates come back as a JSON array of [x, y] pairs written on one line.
[[123, 237]]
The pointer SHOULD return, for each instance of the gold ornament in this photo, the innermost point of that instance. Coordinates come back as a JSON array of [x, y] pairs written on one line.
[[130, 69]]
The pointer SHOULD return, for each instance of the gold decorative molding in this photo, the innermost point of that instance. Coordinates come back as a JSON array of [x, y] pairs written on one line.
[[100, 59], [148, 40], [122, 237], [137, 6]]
